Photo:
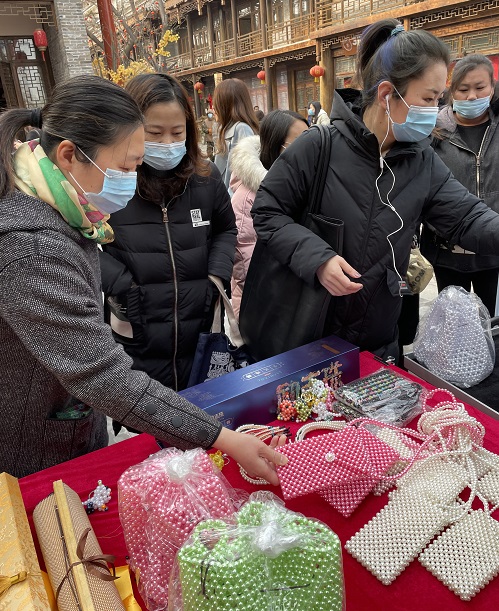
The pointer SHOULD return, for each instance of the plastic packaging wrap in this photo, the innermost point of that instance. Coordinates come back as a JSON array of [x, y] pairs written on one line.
[[454, 340], [384, 395], [160, 502], [271, 559]]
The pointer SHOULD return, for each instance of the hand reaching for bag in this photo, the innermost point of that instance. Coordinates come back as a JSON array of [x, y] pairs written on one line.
[[255, 457], [333, 275]]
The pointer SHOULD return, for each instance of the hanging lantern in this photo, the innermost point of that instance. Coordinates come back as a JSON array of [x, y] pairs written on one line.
[[40, 39], [261, 76], [317, 72], [199, 87]]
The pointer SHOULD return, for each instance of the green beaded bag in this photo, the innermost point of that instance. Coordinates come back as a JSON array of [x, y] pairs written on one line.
[[272, 558]]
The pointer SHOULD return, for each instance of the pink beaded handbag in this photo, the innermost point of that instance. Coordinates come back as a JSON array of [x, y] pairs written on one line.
[[342, 467]]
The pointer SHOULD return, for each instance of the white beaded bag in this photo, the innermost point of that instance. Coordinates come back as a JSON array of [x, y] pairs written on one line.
[[454, 340]]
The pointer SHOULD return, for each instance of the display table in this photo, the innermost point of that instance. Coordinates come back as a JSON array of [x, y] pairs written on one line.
[[413, 590]]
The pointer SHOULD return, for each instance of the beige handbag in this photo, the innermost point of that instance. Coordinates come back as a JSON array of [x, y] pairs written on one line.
[[77, 568], [419, 272]]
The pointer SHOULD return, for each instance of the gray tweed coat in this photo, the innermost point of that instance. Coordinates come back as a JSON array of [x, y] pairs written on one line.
[[54, 344]]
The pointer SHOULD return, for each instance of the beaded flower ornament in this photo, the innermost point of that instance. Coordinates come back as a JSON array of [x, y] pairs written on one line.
[[160, 502], [271, 559], [98, 499]]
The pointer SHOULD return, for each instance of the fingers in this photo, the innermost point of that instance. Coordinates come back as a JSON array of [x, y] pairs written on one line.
[[332, 275], [347, 268]]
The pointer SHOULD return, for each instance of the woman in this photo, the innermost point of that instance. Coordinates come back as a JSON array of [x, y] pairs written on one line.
[[468, 144], [317, 115], [61, 369], [236, 120], [178, 228], [382, 178], [251, 159]]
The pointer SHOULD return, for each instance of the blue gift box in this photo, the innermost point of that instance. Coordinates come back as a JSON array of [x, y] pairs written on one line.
[[248, 395]]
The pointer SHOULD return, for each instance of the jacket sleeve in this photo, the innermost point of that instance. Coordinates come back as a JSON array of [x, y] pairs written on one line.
[[281, 203], [459, 217], [49, 303], [116, 279], [224, 232]]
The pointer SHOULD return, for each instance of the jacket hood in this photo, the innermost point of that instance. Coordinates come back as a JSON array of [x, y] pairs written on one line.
[[346, 115], [246, 165], [446, 119]]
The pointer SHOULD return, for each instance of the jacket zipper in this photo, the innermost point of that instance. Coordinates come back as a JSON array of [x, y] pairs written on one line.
[[164, 211], [478, 158]]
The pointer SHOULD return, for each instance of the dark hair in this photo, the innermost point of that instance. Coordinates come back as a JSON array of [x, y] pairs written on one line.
[[273, 132], [388, 53], [467, 64], [90, 111], [317, 106], [150, 89], [232, 103]]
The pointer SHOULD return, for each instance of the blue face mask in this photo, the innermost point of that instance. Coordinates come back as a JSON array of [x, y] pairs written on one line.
[[311, 112], [471, 109], [117, 190], [418, 125], [164, 156]]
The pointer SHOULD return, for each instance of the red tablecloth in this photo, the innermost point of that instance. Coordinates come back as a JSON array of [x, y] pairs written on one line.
[[414, 589]]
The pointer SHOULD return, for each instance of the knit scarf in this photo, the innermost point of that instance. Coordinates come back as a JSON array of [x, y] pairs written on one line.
[[39, 177]]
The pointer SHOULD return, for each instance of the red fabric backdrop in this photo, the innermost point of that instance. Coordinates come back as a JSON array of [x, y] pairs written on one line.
[[415, 589]]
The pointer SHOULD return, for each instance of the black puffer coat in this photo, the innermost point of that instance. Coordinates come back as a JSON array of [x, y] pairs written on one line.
[[424, 188], [478, 173], [156, 273]]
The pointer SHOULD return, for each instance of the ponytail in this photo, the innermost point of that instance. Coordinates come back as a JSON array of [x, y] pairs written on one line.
[[11, 122]]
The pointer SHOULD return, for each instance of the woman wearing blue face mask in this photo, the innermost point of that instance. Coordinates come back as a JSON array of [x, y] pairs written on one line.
[[61, 370], [382, 178], [178, 228], [468, 143]]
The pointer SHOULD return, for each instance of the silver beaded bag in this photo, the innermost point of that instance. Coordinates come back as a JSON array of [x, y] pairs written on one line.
[[454, 340]]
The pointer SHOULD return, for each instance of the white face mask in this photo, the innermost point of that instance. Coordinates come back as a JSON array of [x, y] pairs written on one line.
[[117, 190], [418, 125], [162, 156]]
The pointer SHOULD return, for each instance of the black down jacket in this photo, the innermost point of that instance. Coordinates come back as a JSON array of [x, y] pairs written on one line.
[[155, 273], [424, 188]]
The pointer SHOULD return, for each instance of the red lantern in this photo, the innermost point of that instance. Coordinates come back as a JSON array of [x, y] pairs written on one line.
[[261, 76], [317, 72], [41, 42], [199, 87]]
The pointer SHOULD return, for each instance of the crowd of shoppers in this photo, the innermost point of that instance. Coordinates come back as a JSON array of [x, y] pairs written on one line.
[[124, 187]]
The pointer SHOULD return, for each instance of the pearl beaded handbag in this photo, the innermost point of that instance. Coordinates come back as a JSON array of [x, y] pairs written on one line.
[[343, 467], [454, 340], [160, 502], [270, 558]]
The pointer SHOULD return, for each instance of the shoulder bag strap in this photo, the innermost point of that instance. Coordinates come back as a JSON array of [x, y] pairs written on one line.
[[235, 335], [322, 166]]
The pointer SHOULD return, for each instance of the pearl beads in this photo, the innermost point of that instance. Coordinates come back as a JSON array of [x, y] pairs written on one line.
[[160, 502], [270, 559]]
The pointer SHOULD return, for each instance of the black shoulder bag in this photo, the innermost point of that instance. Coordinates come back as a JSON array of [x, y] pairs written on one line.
[[279, 311]]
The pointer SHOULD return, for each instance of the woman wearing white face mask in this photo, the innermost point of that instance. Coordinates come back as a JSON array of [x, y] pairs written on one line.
[[382, 178], [61, 370], [468, 144], [177, 229]]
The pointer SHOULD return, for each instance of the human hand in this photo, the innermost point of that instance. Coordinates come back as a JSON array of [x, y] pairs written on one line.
[[255, 457], [333, 276]]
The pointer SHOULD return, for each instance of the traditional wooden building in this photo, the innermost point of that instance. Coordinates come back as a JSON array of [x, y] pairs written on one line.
[[41, 42], [286, 38]]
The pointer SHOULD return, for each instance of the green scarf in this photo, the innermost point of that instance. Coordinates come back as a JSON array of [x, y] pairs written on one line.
[[39, 177]]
